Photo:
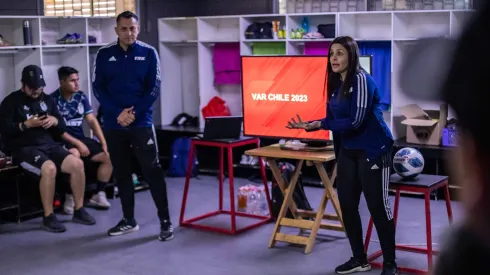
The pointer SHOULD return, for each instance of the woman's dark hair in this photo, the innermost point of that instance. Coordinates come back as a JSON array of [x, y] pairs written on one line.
[[334, 78]]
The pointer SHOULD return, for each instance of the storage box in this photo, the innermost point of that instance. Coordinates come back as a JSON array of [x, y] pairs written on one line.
[[424, 127]]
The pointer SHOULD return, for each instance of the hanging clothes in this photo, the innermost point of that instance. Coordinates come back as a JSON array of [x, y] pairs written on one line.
[[227, 63], [316, 48], [381, 64]]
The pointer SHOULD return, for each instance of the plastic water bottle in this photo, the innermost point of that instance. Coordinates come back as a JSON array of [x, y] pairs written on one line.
[[135, 179], [252, 203], [263, 209], [26, 29]]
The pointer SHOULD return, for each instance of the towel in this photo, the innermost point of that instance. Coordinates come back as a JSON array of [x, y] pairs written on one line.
[[316, 48], [269, 48], [226, 61]]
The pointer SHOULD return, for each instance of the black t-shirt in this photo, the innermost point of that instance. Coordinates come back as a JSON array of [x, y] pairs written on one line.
[[18, 107], [463, 253]]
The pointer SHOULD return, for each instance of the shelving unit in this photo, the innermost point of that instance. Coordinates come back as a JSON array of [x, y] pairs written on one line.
[[47, 54], [186, 51], [375, 26]]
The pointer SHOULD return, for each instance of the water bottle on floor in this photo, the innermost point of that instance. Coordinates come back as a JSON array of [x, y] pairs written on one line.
[[252, 202], [264, 208]]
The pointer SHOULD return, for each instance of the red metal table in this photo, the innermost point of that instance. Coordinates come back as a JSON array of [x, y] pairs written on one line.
[[224, 145], [424, 184]]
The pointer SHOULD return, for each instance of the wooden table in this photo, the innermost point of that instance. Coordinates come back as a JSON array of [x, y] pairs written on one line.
[[317, 158]]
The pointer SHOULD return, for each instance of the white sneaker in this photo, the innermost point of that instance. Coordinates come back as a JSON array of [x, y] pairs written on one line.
[[69, 204], [100, 200], [254, 161], [245, 160]]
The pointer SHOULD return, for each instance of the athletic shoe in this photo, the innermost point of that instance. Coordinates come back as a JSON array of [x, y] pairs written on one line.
[[67, 39], [52, 224], [124, 227], [77, 38], [245, 160], [166, 231], [69, 204], [100, 201], [82, 216], [4, 42], [92, 39], [390, 268], [353, 265]]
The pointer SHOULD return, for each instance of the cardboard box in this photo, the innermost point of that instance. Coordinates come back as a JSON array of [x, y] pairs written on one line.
[[424, 127]]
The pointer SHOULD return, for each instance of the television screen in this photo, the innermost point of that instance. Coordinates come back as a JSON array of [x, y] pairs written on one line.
[[277, 88], [366, 63]]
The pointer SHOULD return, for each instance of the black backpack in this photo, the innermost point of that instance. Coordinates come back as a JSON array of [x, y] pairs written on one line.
[[299, 196], [259, 30]]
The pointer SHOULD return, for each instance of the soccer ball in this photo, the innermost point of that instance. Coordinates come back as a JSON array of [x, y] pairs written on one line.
[[408, 163]]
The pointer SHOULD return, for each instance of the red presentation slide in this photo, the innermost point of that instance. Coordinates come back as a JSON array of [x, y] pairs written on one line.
[[276, 88]]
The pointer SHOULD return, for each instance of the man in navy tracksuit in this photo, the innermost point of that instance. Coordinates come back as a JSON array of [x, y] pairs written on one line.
[[126, 82]]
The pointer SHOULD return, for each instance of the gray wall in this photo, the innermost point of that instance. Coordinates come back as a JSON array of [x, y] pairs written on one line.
[[21, 7], [189, 8]]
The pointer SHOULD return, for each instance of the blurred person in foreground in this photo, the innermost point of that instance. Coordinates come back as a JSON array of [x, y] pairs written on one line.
[[457, 72]]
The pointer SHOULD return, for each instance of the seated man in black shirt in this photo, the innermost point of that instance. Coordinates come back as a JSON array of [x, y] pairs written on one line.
[[31, 126]]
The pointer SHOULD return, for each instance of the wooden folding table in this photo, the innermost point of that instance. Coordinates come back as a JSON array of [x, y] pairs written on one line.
[[301, 218]]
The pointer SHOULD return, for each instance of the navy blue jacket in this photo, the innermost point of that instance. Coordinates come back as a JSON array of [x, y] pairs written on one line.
[[357, 121], [123, 79]]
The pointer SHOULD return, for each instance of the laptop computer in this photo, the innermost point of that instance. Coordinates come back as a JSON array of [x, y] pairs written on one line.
[[222, 128]]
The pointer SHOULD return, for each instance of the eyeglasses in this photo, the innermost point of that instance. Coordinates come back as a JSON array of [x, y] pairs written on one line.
[[38, 90]]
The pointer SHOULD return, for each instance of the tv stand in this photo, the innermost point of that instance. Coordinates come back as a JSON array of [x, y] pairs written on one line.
[[306, 145], [317, 143]]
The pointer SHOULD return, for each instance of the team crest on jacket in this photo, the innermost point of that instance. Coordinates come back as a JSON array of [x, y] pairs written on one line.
[[43, 106], [81, 109]]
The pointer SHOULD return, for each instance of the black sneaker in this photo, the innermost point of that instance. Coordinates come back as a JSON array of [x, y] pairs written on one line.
[[52, 224], [390, 268], [166, 231], [82, 216], [353, 265], [124, 227]]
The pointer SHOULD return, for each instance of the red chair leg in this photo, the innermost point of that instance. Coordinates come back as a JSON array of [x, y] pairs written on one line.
[[397, 207], [428, 229], [371, 223], [448, 203], [188, 175], [221, 176], [232, 189], [266, 186], [368, 235]]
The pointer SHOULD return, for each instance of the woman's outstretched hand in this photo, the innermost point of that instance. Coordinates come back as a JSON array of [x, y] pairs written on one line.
[[300, 124], [293, 124]]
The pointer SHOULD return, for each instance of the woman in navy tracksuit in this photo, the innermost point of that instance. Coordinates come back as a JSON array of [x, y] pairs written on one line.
[[363, 144]]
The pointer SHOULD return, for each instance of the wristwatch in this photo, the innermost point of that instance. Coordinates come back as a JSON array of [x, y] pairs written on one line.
[[23, 126]]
